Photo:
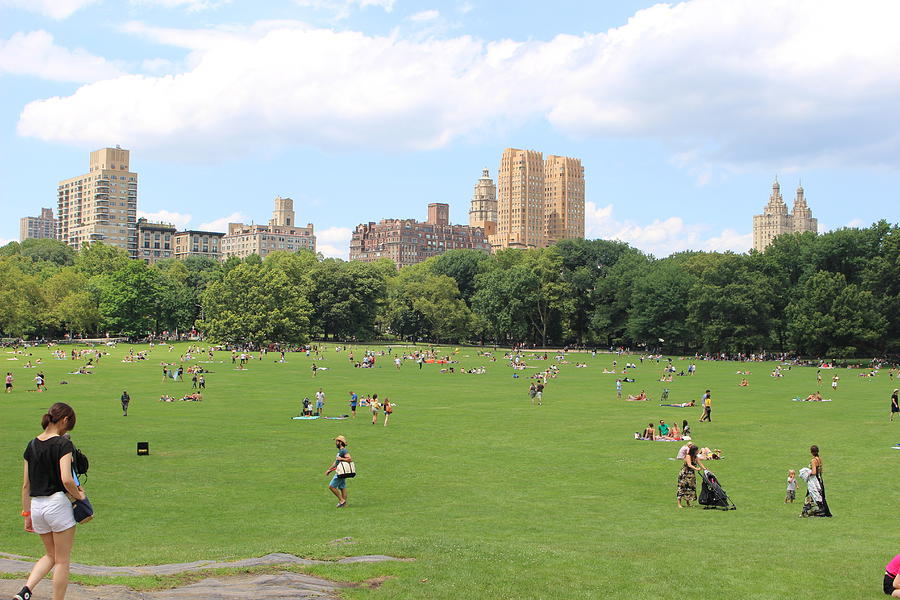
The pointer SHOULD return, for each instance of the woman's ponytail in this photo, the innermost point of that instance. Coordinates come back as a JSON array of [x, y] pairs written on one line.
[[57, 412]]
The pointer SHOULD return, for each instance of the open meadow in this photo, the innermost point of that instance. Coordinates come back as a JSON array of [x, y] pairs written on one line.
[[492, 497]]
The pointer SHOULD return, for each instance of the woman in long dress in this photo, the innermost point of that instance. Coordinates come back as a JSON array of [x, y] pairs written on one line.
[[687, 478], [816, 505]]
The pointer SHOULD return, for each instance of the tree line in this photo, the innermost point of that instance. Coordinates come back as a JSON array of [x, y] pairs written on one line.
[[835, 294]]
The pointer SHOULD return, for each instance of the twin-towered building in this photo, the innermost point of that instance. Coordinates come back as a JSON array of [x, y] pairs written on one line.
[[776, 220], [538, 202]]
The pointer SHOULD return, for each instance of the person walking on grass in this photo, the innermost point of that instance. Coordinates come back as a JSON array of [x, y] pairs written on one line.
[[388, 410], [619, 389], [354, 400], [201, 383], [338, 485], [791, 487], [707, 408], [539, 393], [125, 400], [320, 402], [9, 382], [532, 392], [47, 477], [895, 403], [374, 405]]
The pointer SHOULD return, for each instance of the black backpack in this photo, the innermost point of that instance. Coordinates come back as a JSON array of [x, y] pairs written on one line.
[[80, 464]]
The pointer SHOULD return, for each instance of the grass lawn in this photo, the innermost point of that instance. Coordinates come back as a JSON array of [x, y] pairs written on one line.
[[493, 497]]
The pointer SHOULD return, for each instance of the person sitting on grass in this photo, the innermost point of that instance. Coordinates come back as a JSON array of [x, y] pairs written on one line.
[[663, 429], [675, 432], [744, 383], [815, 397], [649, 433]]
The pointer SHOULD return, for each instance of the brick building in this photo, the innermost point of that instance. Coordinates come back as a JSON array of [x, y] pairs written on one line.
[[408, 242]]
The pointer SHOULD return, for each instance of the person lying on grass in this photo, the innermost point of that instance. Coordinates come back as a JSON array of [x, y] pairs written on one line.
[[682, 405], [639, 398]]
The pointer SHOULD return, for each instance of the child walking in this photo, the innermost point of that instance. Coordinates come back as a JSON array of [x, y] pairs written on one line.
[[791, 487]]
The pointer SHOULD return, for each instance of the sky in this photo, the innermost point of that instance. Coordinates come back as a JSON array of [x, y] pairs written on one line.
[[682, 114]]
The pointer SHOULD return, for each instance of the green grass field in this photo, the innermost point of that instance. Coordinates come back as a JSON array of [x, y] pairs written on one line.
[[494, 498]]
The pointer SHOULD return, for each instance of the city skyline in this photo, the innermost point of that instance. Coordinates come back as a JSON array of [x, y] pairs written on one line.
[[223, 112]]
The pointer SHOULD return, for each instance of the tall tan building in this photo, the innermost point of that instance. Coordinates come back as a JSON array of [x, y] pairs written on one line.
[[776, 220], [483, 210], [40, 227], [520, 200], [282, 233], [564, 204], [539, 202], [100, 205]]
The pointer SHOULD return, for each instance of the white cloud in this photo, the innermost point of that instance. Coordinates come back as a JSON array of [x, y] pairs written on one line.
[[721, 83], [157, 65], [341, 9], [179, 220], [662, 237], [425, 15], [4, 241], [34, 54], [55, 9], [189, 5], [222, 224], [334, 242]]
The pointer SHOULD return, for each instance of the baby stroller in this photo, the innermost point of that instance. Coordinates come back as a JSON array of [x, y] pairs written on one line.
[[712, 496]]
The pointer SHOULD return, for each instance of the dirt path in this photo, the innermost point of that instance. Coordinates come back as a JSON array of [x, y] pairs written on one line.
[[279, 586]]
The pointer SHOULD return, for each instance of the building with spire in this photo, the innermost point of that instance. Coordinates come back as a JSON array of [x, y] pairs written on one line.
[[483, 211], [776, 220]]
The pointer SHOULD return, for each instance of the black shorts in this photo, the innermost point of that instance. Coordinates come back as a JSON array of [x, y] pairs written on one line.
[[895, 408], [889, 583], [8, 385]]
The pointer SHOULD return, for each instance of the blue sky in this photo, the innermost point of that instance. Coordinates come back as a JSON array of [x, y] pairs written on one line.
[[365, 109]]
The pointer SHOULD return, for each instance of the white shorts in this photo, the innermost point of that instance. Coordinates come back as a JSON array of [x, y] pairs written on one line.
[[52, 513]]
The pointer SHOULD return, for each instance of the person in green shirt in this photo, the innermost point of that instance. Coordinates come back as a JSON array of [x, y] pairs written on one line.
[[663, 428]]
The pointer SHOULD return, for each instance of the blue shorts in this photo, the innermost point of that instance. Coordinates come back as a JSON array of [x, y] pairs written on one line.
[[338, 483]]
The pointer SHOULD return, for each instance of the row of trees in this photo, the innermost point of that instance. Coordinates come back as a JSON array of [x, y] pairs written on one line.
[[834, 294]]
